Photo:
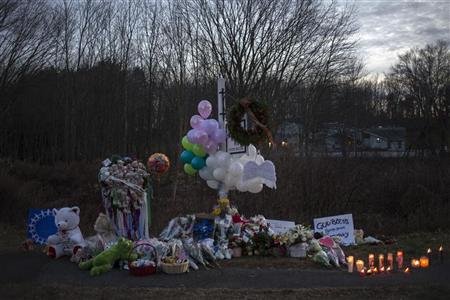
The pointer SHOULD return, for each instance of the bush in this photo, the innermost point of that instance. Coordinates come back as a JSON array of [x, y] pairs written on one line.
[[385, 196]]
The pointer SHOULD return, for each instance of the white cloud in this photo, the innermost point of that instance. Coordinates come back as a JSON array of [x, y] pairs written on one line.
[[389, 28]]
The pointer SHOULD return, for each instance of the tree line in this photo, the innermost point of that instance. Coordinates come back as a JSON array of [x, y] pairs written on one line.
[[81, 80]]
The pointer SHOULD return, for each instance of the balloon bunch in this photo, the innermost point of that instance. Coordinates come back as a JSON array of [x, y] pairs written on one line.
[[203, 138], [246, 174], [205, 132], [193, 156]]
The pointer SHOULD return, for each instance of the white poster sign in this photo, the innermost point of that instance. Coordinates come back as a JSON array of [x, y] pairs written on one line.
[[280, 226], [341, 226]]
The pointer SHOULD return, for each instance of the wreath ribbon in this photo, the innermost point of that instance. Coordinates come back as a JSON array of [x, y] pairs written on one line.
[[245, 103]]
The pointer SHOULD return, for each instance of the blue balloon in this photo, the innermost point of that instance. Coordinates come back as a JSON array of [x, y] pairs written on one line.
[[198, 163], [186, 156]]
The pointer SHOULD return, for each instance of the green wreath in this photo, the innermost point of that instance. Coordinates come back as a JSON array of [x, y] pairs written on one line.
[[254, 135]]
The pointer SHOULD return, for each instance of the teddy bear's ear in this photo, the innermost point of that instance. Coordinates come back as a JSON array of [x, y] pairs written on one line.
[[54, 211], [76, 210]]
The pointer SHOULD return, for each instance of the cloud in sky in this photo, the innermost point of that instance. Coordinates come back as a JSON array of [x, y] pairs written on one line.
[[391, 27]]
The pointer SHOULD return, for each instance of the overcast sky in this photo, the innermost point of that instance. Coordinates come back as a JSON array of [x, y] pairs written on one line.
[[390, 27]]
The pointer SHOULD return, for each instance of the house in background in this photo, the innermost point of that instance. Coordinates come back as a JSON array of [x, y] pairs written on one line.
[[391, 139]]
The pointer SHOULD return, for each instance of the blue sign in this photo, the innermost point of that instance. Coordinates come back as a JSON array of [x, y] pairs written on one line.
[[40, 225]]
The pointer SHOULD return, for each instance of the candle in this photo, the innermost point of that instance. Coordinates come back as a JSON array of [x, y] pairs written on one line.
[[380, 260], [382, 269], [375, 270], [406, 270], [429, 251], [424, 262], [359, 265], [441, 254], [362, 273], [371, 260], [390, 259], [350, 263], [399, 259], [415, 263]]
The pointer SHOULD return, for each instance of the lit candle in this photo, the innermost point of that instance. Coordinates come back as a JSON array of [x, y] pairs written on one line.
[[415, 263], [362, 273], [407, 270], [399, 259], [388, 269], [424, 262], [369, 272], [359, 265], [382, 269], [350, 263], [375, 270], [390, 259], [441, 254], [380, 260], [371, 260]]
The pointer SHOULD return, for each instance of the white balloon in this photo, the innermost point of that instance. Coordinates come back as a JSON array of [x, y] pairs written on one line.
[[236, 169], [219, 174], [255, 188], [212, 184], [206, 173], [211, 161], [223, 158], [241, 187]]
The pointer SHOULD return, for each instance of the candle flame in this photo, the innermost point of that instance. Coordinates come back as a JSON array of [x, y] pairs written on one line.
[[388, 268], [382, 269], [440, 248], [407, 270], [429, 251]]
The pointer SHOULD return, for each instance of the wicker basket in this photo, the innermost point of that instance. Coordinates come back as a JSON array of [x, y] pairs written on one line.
[[142, 271], [175, 268]]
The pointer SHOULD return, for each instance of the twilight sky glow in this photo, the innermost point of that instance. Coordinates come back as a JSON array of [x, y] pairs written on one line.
[[391, 27]]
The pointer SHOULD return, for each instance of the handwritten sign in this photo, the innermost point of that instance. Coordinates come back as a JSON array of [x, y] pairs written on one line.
[[280, 226], [341, 226]]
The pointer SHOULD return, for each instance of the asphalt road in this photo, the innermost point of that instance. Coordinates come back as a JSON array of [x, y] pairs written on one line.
[[34, 268]]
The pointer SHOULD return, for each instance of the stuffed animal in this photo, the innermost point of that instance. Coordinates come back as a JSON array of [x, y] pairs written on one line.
[[68, 239], [105, 260], [106, 235]]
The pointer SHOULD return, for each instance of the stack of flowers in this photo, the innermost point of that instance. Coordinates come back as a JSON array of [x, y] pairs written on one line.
[[124, 183]]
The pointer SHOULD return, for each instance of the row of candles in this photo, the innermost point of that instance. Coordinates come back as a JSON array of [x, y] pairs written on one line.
[[422, 262]]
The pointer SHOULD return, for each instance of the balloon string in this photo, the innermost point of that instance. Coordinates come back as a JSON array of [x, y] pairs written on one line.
[[245, 103]]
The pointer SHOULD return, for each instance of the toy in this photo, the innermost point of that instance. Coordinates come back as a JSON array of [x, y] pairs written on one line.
[[105, 260], [105, 236], [68, 239]]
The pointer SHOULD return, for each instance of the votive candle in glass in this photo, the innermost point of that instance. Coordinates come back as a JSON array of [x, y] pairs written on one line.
[[359, 265], [424, 262], [350, 263], [371, 260], [415, 263], [380, 260], [400, 259], [390, 259]]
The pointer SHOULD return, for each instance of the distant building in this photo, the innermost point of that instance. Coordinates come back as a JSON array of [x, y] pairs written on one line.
[[384, 139]]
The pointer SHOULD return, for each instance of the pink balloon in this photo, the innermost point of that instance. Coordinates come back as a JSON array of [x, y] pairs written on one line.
[[211, 147], [204, 108], [210, 126], [202, 137], [192, 136], [219, 136], [196, 121]]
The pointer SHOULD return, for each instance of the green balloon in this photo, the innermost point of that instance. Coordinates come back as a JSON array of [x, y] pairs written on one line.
[[189, 169], [186, 144], [198, 150]]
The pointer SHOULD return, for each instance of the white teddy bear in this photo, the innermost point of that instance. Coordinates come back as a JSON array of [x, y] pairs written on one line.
[[68, 239]]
